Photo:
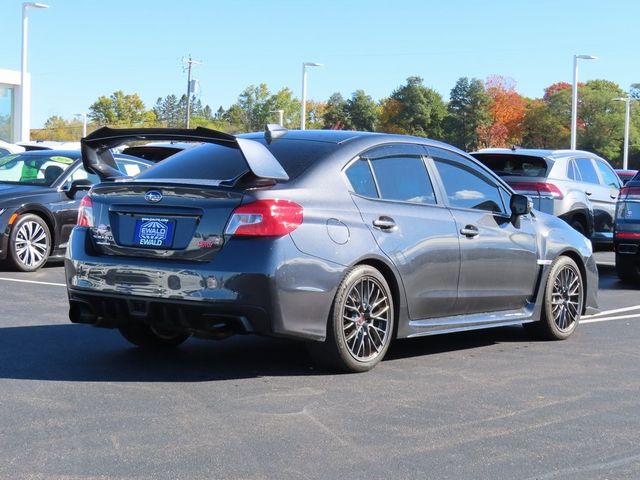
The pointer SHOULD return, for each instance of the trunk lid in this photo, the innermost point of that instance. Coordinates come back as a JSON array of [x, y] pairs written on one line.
[[169, 221]]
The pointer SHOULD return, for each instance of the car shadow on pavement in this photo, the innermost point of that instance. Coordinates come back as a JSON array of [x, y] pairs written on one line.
[[82, 353]]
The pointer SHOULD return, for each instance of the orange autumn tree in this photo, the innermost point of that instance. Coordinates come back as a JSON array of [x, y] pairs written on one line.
[[507, 111]]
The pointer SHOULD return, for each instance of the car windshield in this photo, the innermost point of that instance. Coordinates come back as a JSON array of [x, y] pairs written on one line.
[[29, 169]]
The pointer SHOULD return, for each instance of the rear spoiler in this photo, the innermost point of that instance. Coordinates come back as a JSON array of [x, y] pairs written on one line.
[[97, 156]]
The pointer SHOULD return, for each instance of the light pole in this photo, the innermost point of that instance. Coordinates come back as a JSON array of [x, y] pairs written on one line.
[[574, 97], [190, 89], [24, 104], [280, 113], [303, 109], [84, 123], [625, 155]]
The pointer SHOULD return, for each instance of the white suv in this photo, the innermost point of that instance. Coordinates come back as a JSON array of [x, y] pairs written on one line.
[[577, 186]]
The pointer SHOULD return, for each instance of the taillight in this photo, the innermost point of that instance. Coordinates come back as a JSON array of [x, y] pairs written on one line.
[[85, 213], [541, 188], [629, 235], [265, 218], [633, 192]]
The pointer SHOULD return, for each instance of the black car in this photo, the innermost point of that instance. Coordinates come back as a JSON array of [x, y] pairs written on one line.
[[626, 234], [39, 200], [344, 239]]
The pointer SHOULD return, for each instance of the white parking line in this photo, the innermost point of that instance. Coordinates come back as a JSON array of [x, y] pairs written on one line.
[[33, 281], [617, 310], [608, 319]]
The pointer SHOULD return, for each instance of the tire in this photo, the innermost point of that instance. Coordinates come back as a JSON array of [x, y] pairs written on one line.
[[29, 243], [628, 268], [563, 301], [359, 329], [145, 336]]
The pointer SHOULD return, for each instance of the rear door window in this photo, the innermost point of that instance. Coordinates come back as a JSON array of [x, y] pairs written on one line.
[[587, 171], [400, 173], [361, 179]]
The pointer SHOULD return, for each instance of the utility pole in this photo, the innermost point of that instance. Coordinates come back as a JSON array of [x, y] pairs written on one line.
[[189, 63]]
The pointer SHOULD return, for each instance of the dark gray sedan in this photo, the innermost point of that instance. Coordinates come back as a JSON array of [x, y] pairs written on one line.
[[344, 239]]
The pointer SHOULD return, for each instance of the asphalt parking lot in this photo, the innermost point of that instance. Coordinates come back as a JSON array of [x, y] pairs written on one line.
[[79, 402]]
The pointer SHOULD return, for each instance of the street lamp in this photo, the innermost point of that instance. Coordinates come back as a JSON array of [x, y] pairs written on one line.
[[280, 113], [627, 100], [574, 97], [24, 104], [303, 112], [84, 122]]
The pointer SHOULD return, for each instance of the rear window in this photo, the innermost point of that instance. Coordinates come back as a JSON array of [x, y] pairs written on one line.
[[508, 165], [216, 162], [206, 162]]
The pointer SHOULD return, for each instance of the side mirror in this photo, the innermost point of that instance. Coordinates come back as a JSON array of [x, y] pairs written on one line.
[[520, 205], [82, 184]]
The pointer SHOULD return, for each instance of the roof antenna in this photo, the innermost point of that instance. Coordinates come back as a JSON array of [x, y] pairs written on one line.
[[273, 131]]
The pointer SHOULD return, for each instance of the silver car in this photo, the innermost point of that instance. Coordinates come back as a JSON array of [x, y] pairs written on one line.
[[577, 186]]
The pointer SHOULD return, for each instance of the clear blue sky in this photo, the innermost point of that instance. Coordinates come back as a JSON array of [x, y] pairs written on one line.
[[81, 49]]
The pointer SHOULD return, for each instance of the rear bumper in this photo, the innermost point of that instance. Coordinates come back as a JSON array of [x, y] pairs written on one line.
[[627, 246], [113, 311], [261, 293]]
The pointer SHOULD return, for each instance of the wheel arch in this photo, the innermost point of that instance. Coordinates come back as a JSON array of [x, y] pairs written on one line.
[[582, 214], [394, 284]]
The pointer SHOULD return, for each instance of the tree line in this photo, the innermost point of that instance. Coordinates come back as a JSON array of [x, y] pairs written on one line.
[[478, 114]]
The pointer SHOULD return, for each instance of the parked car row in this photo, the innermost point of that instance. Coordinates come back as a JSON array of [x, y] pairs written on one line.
[[346, 240]]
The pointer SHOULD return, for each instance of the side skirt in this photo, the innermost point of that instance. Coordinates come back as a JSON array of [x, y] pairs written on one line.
[[462, 323]]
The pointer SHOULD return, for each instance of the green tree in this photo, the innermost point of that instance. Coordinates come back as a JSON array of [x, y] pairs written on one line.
[[59, 129], [362, 111], [602, 120], [284, 100], [121, 110], [467, 112], [414, 109], [253, 108], [542, 128], [168, 112], [336, 114]]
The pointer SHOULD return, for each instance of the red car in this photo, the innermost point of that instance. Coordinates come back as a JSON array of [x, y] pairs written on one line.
[[626, 175]]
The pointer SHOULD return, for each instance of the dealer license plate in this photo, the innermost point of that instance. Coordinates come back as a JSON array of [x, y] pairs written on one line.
[[154, 232]]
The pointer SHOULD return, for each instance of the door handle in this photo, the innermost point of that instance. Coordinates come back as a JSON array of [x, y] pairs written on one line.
[[613, 196], [470, 231], [589, 193], [384, 223]]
